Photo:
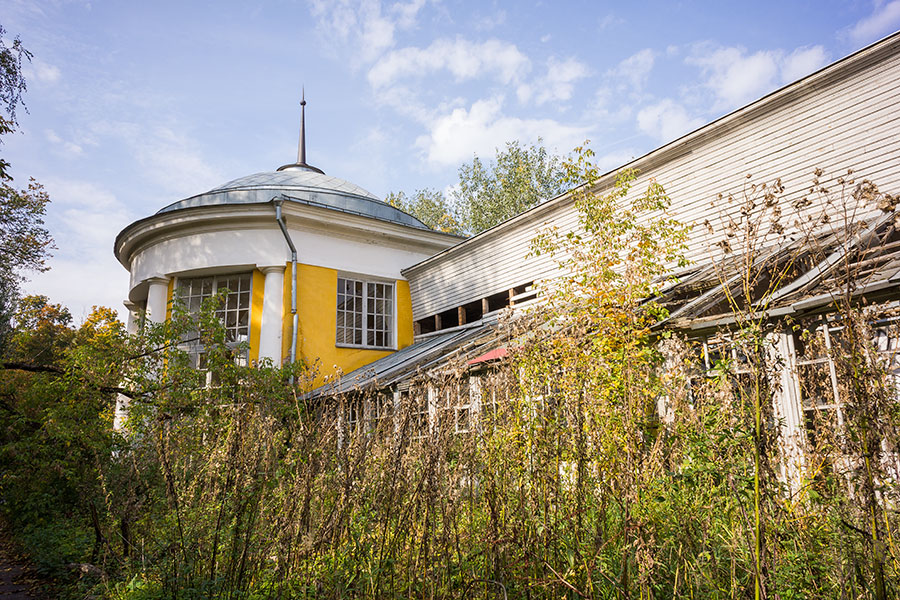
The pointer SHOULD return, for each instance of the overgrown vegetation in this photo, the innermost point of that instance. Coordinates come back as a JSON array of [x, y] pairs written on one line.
[[605, 457]]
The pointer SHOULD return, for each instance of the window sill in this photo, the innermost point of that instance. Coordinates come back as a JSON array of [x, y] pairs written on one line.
[[364, 347]]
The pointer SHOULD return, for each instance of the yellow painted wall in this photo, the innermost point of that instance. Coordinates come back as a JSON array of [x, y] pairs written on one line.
[[287, 322], [317, 309], [170, 295], [256, 308]]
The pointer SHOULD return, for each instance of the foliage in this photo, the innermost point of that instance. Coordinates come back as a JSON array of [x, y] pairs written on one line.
[[24, 241], [56, 440], [602, 458], [430, 207], [43, 331], [12, 86], [520, 178]]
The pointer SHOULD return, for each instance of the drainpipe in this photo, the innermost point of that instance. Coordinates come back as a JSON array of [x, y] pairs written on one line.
[[278, 201]]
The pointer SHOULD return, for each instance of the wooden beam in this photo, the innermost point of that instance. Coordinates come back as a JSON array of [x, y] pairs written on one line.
[[437, 323], [485, 306], [461, 315]]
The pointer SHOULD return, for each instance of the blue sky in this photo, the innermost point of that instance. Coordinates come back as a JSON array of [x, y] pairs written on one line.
[[134, 105]]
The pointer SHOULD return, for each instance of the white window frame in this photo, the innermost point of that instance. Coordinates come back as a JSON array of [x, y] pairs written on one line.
[[366, 330], [219, 282], [887, 349]]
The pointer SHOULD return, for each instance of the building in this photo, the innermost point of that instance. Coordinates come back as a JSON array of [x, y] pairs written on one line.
[[312, 262], [444, 294], [842, 118]]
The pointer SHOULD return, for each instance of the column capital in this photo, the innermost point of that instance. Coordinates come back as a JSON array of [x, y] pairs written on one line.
[[272, 269], [158, 279]]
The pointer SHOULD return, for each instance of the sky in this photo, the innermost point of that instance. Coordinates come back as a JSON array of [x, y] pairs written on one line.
[[135, 105]]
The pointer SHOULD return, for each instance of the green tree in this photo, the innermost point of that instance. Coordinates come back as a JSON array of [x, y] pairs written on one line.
[[24, 241], [43, 332], [430, 207], [57, 394], [520, 178]]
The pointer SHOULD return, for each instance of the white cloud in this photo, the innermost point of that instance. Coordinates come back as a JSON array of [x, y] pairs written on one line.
[[560, 79], [487, 23], [66, 147], [170, 159], [635, 69], [557, 85], [78, 285], [362, 25], [885, 20], [736, 77], [83, 219], [165, 156], [604, 109], [455, 137], [407, 13], [41, 72], [614, 160], [86, 217], [462, 58], [801, 62], [666, 120], [608, 21]]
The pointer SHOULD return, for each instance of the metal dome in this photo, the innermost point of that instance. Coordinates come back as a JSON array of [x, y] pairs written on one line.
[[299, 184]]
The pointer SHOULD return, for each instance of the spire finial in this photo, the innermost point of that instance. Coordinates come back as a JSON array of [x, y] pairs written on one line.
[[301, 149]]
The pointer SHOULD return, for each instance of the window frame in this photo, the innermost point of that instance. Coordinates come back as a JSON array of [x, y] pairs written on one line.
[[219, 281], [364, 299]]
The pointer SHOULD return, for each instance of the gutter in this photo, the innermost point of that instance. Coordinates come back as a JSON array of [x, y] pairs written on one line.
[[278, 201]]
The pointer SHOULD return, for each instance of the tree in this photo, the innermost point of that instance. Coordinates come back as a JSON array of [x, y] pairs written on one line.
[[12, 86], [520, 178], [43, 331], [430, 207], [24, 241]]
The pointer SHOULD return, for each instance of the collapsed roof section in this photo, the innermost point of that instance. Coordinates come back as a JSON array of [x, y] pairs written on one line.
[[800, 276]]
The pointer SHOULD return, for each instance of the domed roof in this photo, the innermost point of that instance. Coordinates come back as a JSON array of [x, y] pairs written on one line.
[[297, 183]]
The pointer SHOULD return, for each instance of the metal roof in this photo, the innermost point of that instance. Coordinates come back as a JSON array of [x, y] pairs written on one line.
[[401, 366], [301, 185]]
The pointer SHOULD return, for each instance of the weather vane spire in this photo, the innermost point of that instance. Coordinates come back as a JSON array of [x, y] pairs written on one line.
[[301, 148], [301, 151]]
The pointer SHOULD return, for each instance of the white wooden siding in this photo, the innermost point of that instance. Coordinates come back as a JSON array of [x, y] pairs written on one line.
[[843, 117]]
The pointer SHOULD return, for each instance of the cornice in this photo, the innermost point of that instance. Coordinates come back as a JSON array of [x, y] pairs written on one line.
[[217, 218]]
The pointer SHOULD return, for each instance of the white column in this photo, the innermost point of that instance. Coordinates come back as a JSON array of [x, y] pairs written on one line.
[[157, 299], [132, 322], [271, 323], [788, 410], [122, 401]]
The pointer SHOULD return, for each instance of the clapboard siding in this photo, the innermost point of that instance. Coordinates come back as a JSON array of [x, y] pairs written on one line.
[[843, 117]]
